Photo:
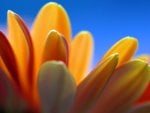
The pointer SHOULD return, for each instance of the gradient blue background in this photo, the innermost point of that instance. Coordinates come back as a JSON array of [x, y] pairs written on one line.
[[107, 20]]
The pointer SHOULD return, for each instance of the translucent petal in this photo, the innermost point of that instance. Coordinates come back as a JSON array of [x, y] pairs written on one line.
[[127, 84], [145, 58], [92, 86], [80, 55], [126, 47], [56, 48], [51, 16], [21, 42]]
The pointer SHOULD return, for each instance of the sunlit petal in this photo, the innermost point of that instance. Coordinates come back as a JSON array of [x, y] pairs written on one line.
[[91, 88], [51, 16], [145, 58], [126, 85], [80, 55], [56, 48], [126, 48], [20, 40]]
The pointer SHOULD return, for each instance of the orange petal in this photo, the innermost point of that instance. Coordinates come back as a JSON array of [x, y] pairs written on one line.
[[51, 16], [126, 47], [92, 86], [8, 58], [80, 55], [56, 48], [21, 42], [127, 84]]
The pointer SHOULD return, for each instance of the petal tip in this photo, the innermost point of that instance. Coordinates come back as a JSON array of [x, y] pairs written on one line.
[[116, 55], [55, 4], [130, 38], [58, 63], [140, 61], [10, 13], [53, 32]]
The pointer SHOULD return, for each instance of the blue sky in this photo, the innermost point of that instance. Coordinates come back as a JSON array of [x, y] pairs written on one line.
[[107, 20]]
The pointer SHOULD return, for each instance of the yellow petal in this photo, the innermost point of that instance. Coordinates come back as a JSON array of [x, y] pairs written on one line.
[[20, 40], [127, 84], [92, 86], [145, 58], [126, 47], [80, 55], [56, 48]]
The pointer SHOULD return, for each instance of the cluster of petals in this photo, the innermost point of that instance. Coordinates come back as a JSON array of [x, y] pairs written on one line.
[[45, 70]]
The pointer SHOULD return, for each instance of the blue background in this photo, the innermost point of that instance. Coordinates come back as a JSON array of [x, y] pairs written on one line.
[[107, 20]]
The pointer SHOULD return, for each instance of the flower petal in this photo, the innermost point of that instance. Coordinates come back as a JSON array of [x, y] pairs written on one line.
[[91, 87], [8, 58], [80, 55], [21, 42], [56, 48], [5, 89], [145, 97], [144, 108], [51, 16], [126, 47], [56, 87], [10, 100], [126, 85], [145, 58]]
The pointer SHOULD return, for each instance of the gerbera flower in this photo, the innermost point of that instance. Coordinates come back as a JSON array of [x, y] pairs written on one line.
[[46, 73]]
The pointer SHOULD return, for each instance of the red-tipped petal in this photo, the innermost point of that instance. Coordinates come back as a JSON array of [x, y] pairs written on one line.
[[8, 57], [21, 42]]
